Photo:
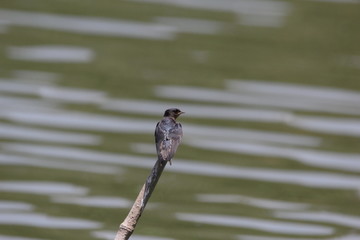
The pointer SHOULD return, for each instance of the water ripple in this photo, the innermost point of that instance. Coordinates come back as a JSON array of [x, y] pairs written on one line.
[[251, 201], [250, 237], [6, 237], [41, 187], [15, 206], [88, 25], [257, 224], [324, 159], [45, 221], [110, 235], [51, 53], [8, 131], [323, 217], [94, 201], [303, 178]]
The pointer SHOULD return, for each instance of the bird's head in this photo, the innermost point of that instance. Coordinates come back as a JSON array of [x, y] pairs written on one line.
[[173, 112]]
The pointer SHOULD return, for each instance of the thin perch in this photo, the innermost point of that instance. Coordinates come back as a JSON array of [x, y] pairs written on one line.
[[127, 227]]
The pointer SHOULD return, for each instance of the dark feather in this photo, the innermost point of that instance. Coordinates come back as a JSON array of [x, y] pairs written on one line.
[[168, 134]]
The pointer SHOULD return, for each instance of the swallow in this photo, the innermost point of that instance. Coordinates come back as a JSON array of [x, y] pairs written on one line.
[[168, 134]]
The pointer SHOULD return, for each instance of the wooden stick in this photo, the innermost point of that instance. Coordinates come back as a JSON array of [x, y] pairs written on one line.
[[127, 227]]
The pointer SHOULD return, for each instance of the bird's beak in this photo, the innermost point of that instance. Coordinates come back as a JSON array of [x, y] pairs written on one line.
[[181, 113]]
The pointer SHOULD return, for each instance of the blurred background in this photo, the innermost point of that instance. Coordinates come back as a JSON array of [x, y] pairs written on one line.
[[271, 91]]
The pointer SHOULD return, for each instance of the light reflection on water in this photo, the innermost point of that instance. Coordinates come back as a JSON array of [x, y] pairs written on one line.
[[304, 178], [191, 25], [25, 104], [51, 53], [81, 154], [223, 96], [80, 121], [343, 161], [15, 206], [8, 131], [15, 160], [251, 201], [97, 122], [94, 201], [325, 217], [333, 96], [43, 188], [5, 237], [207, 132], [45, 221], [197, 110], [110, 235], [89, 25], [257, 224], [249, 237], [45, 78], [341, 126], [50, 91], [11, 86], [72, 95], [270, 13]]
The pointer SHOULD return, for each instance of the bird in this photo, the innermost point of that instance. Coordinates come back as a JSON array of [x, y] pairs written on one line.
[[168, 135]]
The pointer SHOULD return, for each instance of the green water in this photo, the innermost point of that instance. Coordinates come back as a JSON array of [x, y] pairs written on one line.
[[316, 45]]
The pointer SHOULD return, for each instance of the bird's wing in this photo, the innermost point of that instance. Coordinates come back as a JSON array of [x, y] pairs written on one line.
[[169, 145], [159, 136], [167, 140]]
